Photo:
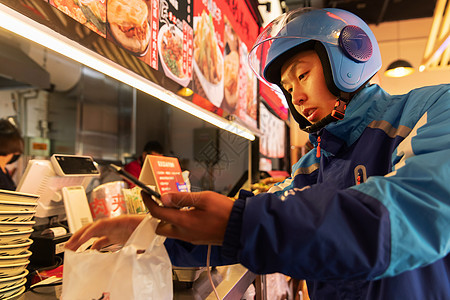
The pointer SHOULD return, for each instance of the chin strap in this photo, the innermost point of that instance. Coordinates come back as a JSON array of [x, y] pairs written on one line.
[[337, 114]]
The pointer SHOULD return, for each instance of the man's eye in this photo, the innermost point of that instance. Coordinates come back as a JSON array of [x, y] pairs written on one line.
[[302, 76], [287, 89]]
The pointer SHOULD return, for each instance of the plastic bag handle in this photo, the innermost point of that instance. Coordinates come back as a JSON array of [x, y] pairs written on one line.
[[144, 236]]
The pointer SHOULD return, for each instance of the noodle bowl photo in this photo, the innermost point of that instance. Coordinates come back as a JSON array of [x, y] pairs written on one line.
[[170, 44]]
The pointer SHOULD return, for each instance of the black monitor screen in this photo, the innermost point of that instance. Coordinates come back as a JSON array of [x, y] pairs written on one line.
[[71, 165]]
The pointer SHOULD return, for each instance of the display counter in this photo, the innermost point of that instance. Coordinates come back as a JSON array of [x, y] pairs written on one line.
[[231, 283]]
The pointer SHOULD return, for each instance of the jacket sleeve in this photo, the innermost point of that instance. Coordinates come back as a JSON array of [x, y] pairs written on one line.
[[183, 254], [314, 233], [417, 192], [383, 227]]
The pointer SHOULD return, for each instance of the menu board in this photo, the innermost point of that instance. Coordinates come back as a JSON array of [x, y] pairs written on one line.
[[231, 67], [247, 105], [200, 44], [240, 83], [91, 13], [272, 142], [133, 25], [208, 51]]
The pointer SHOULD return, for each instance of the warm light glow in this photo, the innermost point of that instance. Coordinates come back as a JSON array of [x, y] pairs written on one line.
[[438, 38], [399, 72], [185, 92], [421, 68], [40, 34], [399, 68]]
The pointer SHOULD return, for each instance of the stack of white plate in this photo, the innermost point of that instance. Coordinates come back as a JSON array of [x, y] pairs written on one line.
[[16, 225]]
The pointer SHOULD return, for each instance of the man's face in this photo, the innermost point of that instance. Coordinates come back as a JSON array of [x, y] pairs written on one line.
[[302, 76]]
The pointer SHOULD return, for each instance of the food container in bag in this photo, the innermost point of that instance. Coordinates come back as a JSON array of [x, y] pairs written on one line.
[[107, 200]]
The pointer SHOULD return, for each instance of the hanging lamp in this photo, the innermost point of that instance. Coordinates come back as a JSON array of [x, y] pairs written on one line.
[[399, 68]]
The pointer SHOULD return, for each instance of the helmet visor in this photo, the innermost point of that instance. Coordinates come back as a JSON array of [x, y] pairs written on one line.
[[289, 30]]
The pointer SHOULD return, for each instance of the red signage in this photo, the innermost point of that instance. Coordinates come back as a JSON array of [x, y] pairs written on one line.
[[164, 173], [154, 25], [241, 20], [274, 101], [199, 44]]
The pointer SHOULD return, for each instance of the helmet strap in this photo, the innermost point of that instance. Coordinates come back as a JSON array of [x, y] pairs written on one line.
[[338, 113]]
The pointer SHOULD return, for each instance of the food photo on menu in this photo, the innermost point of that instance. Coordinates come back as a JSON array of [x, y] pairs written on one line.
[[175, 41], [91, 13], [170, 42], [208, 59], [247, 104], [128, 25], [231, 68]]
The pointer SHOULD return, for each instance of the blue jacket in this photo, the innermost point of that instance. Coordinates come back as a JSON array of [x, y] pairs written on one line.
[[367, 216]]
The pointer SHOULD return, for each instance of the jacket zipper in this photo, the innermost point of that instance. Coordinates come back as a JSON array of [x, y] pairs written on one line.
[[359, 177], [360, 174], [318, 147]]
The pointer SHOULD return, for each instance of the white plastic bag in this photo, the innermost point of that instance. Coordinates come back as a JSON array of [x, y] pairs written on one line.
[[124, 274]]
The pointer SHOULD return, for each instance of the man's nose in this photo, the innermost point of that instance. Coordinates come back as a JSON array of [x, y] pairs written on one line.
[[298, 96]]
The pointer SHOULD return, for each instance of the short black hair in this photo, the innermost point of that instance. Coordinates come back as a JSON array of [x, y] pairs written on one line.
[[11, 140], [273, 71], [153, 146]]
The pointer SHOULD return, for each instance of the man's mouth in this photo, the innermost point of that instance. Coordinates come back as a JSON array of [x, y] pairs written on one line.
[[310, 113]]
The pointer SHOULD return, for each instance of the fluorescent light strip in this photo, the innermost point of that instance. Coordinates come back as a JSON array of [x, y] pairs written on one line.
[[40, 34]]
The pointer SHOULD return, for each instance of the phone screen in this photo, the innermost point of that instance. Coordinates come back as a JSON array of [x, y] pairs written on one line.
[[134, 180]]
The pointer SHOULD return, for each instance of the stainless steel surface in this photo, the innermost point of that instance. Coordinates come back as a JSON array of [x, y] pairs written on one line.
[[186, 274], [235, 281], [231, 283]]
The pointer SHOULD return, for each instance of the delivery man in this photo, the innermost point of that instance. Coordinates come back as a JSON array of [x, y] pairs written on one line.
[[366, 213]]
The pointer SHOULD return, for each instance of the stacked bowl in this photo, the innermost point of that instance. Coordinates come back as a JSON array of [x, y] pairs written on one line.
[[16, 225]]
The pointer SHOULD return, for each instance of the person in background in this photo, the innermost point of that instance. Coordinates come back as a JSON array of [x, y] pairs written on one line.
[[11, 147], [366, 213], [135, 167]]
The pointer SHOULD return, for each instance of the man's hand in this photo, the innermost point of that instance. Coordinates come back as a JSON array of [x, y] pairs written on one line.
[[198, 218], [108, 231]]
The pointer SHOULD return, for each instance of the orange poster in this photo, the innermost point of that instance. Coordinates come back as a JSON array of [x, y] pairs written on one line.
[[164, 173]]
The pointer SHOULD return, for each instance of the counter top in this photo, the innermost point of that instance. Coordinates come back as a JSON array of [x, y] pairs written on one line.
[[231, 283]]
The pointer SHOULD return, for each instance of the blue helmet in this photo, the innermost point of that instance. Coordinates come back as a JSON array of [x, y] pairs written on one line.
[[344, 43]]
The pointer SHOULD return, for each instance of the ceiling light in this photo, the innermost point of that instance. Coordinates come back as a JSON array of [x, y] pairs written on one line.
[[437, 50], [399, 68], [185, 92], [40, 34]]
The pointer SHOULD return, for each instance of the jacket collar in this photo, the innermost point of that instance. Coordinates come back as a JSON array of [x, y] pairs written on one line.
[[365, 107]]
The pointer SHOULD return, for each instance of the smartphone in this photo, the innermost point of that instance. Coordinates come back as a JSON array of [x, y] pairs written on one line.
[[74, 165], [124, 174]]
